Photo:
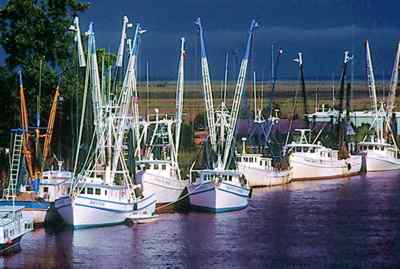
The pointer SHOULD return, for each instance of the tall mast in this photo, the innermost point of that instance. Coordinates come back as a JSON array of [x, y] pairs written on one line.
[[97, 98], [25, 127], [147, 88], [125, 101], [393, 86], [207, 91], [371, 79], [78, 40], [238, 95], [121, 49], [274, 80], [299, 60], [340, 132], [255, 95], [226, 76], [333, 92], [50, 125], [179, 96], [78, 144]]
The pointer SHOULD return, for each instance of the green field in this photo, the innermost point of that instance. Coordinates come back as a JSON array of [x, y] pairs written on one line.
[[161, 95]]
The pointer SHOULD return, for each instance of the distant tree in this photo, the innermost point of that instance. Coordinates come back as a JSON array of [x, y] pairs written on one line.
[[35, 38], [186, 136], [34, 35], [30, 29]]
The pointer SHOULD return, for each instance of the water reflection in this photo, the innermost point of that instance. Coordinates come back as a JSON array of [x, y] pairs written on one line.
[[335, 223]]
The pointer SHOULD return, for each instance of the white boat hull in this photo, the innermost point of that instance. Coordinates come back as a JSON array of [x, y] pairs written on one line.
[[166, 189], [306, 168], [38, 215], [257, 177], [378, 162], [218, 198], [37, 210], [83, 212]]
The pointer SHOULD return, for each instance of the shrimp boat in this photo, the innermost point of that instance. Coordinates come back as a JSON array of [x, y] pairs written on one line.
[[14, 223], [54, 183], [217, 188], [158, 171], [258, 170], [381, 155], [310, 161], [28, 185], [103, 192]]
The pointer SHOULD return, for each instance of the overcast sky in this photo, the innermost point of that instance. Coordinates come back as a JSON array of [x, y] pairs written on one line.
[[321, 29]]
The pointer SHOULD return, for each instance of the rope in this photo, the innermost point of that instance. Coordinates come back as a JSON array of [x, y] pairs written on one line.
[[180, 198]]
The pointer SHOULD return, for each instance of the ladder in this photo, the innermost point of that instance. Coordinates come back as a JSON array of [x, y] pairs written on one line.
[[125, 145], [11, 190]]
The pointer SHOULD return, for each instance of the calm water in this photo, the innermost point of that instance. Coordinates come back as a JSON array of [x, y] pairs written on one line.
[[337, 223]]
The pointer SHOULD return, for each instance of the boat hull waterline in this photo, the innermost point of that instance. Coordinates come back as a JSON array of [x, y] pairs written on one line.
[[377, 163], [167, 190], [222, 197], [84, 212], [258, 177], [304, 168]]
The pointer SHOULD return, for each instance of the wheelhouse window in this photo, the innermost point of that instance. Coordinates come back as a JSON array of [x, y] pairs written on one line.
[[83, 190], [89, 190], [155, 166], [164, 167], [45, 189], [97, 191]]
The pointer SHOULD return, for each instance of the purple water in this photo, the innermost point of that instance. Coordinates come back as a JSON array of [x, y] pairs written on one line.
[[337, 223]]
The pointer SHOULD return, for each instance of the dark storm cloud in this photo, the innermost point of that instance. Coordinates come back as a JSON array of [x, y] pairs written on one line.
[[322, 29]]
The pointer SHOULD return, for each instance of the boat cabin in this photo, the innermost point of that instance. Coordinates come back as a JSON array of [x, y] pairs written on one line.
[[254, 161], [95, 188], [377, 147], [203, 176], [54, 184], [13, 223], [159, 167]]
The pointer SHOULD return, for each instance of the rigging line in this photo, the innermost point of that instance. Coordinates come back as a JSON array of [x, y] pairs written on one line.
[[293, 115], [88, 156], [88, 66]]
